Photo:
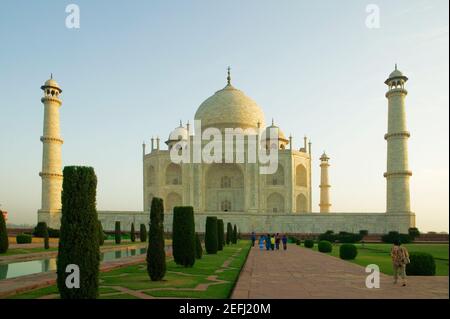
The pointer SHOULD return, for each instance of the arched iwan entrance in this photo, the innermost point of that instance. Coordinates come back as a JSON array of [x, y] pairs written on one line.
[[224, 188]]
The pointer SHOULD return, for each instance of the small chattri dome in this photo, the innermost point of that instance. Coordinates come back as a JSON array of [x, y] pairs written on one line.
[[51, 83], [266, 133], [396, 74], [180, 133], [324, 157]]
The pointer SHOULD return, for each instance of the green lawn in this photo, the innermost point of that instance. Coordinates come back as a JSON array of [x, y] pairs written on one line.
[[379, 254], [179, 281]]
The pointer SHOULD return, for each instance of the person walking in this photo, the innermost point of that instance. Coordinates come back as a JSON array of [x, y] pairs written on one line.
[[253, 237], [272, 242], [261, 242], [400, 258], [268, 242], [284, 240], [277, 241]]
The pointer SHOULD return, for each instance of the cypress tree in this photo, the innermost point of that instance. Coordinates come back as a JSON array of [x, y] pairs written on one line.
[[156, 254], [143, 233], [229, 233], [101, 235], [78, 243], [117, 233], [183, 236], [211, 237], [4, 243], [46, 240], [133, 233], [220, 234], [234, 236], [198, 247]]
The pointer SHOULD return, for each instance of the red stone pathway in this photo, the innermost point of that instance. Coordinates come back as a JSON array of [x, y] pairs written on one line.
[[303, 273]]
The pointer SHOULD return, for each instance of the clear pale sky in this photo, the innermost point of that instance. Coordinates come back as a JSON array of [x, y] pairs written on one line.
[[135, 68]]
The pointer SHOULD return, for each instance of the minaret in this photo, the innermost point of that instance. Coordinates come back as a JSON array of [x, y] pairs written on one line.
[[397, 173], [51, 173], [324, 184]]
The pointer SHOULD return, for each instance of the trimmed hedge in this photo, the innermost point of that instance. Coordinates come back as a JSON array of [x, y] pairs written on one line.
[[422, 264], [39, 230], [198, 247], [23, 239], [325, 246], [211, 237], [156, 254], [309, 243], [101, 234], [4, 243], [183, 245], [348, 251], [413, 233], [298, 242], [220, 234], [117, 233], [132, 233], [229, 233], [46, 239], [394, 236], [143, 233], [78, 242], [342, 237], [363, 232]]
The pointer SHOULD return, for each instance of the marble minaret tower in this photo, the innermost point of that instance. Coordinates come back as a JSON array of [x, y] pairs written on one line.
[[324, 184], [397, 173], [51, 173]]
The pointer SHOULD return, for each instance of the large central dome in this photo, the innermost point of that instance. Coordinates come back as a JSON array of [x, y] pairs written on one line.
[[229, 108]]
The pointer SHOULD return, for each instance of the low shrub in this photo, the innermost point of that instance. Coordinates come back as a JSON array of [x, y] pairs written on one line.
[[309, 243], [325, 246], [328, 236], [348, 238], [413, 232], [53, 233], [348, 251], [394, 236], [363, 232], [23, 239], [298, 242], [422, 264]]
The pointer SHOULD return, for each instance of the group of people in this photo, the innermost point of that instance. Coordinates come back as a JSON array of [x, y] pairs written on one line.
[[270, 242], [399, 254]]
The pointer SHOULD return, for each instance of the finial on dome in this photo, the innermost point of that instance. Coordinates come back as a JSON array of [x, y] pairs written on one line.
[[181, 123], [51, 76], [395, 66], [273, 122], [229, 76]]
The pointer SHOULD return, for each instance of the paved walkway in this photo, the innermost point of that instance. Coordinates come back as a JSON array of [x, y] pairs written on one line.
[[303, 273]]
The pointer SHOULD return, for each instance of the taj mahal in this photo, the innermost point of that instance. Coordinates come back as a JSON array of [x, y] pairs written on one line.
[[233, 187]]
